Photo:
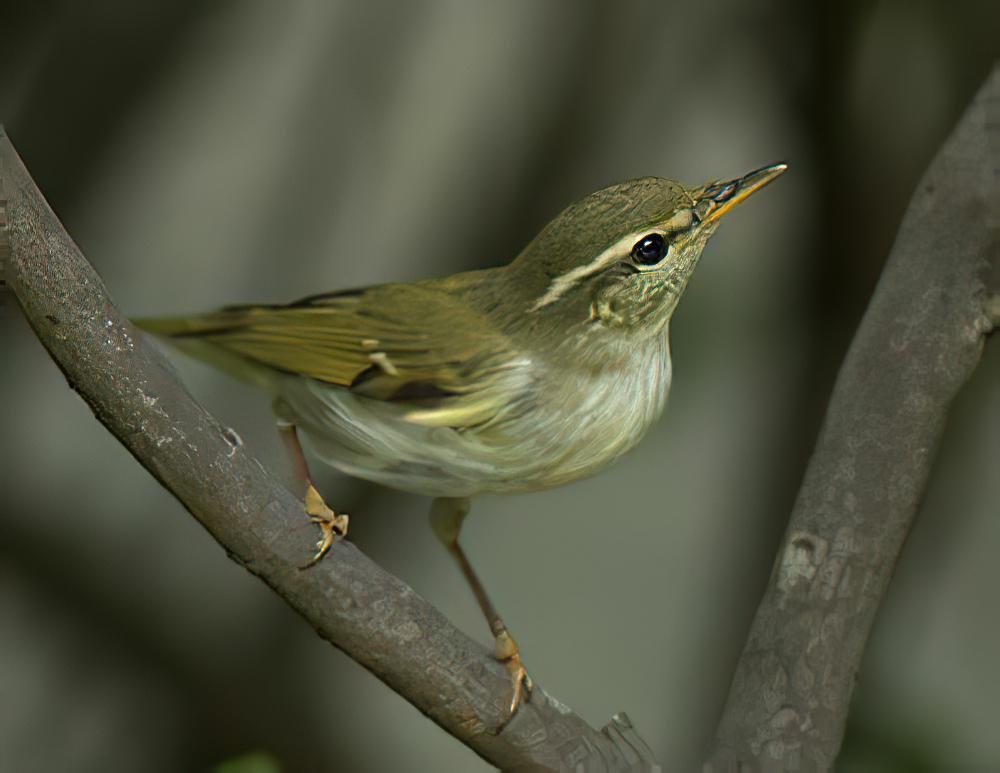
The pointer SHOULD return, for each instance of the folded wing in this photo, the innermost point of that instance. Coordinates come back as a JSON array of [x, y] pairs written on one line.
[[415, 345]]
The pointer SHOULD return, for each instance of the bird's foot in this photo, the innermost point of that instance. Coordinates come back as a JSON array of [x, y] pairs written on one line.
[[508, 653], [330, 523]]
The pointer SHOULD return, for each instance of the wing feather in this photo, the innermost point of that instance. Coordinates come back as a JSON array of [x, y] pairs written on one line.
[[361, 341]]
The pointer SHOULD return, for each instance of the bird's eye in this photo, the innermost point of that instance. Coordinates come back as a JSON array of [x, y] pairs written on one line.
[[649, 249]]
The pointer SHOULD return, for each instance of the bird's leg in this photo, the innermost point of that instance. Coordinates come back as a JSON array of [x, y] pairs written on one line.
[[447, 515], [330, 523]]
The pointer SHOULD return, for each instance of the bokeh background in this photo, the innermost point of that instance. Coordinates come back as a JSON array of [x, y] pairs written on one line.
[[209, 153]]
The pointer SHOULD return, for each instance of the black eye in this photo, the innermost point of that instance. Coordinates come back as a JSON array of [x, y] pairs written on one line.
[[649, 249]]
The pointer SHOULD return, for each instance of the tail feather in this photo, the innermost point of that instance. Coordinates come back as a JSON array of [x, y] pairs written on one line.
[[194, 336], [210, 324]]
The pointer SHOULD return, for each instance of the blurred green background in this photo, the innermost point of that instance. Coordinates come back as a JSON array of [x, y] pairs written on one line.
[[209, 153]]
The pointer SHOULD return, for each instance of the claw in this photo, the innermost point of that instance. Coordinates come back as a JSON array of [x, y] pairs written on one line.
[[521, 682], [330, 523], [508, 653]]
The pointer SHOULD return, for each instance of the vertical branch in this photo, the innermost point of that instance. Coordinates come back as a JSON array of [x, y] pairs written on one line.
[[918, 343]]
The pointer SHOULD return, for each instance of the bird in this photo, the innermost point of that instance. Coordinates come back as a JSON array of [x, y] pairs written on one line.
[[502, 380]]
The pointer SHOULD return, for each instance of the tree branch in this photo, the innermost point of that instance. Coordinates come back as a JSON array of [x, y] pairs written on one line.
[[372, 616], [920, 340]]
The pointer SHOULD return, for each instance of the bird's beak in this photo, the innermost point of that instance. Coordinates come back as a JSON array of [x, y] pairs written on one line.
[[713, 200]]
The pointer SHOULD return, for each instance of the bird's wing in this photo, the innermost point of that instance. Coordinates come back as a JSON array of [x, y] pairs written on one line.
[[440, 358]]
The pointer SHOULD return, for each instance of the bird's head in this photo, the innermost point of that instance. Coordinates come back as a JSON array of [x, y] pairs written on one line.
[[615, 264]]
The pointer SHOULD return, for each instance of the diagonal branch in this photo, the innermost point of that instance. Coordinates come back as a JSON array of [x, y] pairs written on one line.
[[372, 616], [920, 340]]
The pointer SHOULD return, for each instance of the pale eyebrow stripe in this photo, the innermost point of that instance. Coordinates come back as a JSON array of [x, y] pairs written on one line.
[[681, 220], [563, 282]]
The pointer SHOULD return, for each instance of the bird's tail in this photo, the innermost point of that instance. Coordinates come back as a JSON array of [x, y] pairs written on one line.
[[200, 336], [213, 323]]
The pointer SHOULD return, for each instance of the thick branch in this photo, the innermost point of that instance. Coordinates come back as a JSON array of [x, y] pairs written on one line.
[[372, 616], [918, 343]]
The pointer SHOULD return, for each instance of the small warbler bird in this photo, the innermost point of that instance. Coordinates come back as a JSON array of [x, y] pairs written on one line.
[[503, 380]]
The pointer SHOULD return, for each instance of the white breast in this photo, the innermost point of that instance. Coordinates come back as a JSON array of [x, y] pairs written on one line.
[[611, 413], [542, 442]]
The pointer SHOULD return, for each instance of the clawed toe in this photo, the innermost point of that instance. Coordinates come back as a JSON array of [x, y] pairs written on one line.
[[332, 525], [521, 683], [507, 652]]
